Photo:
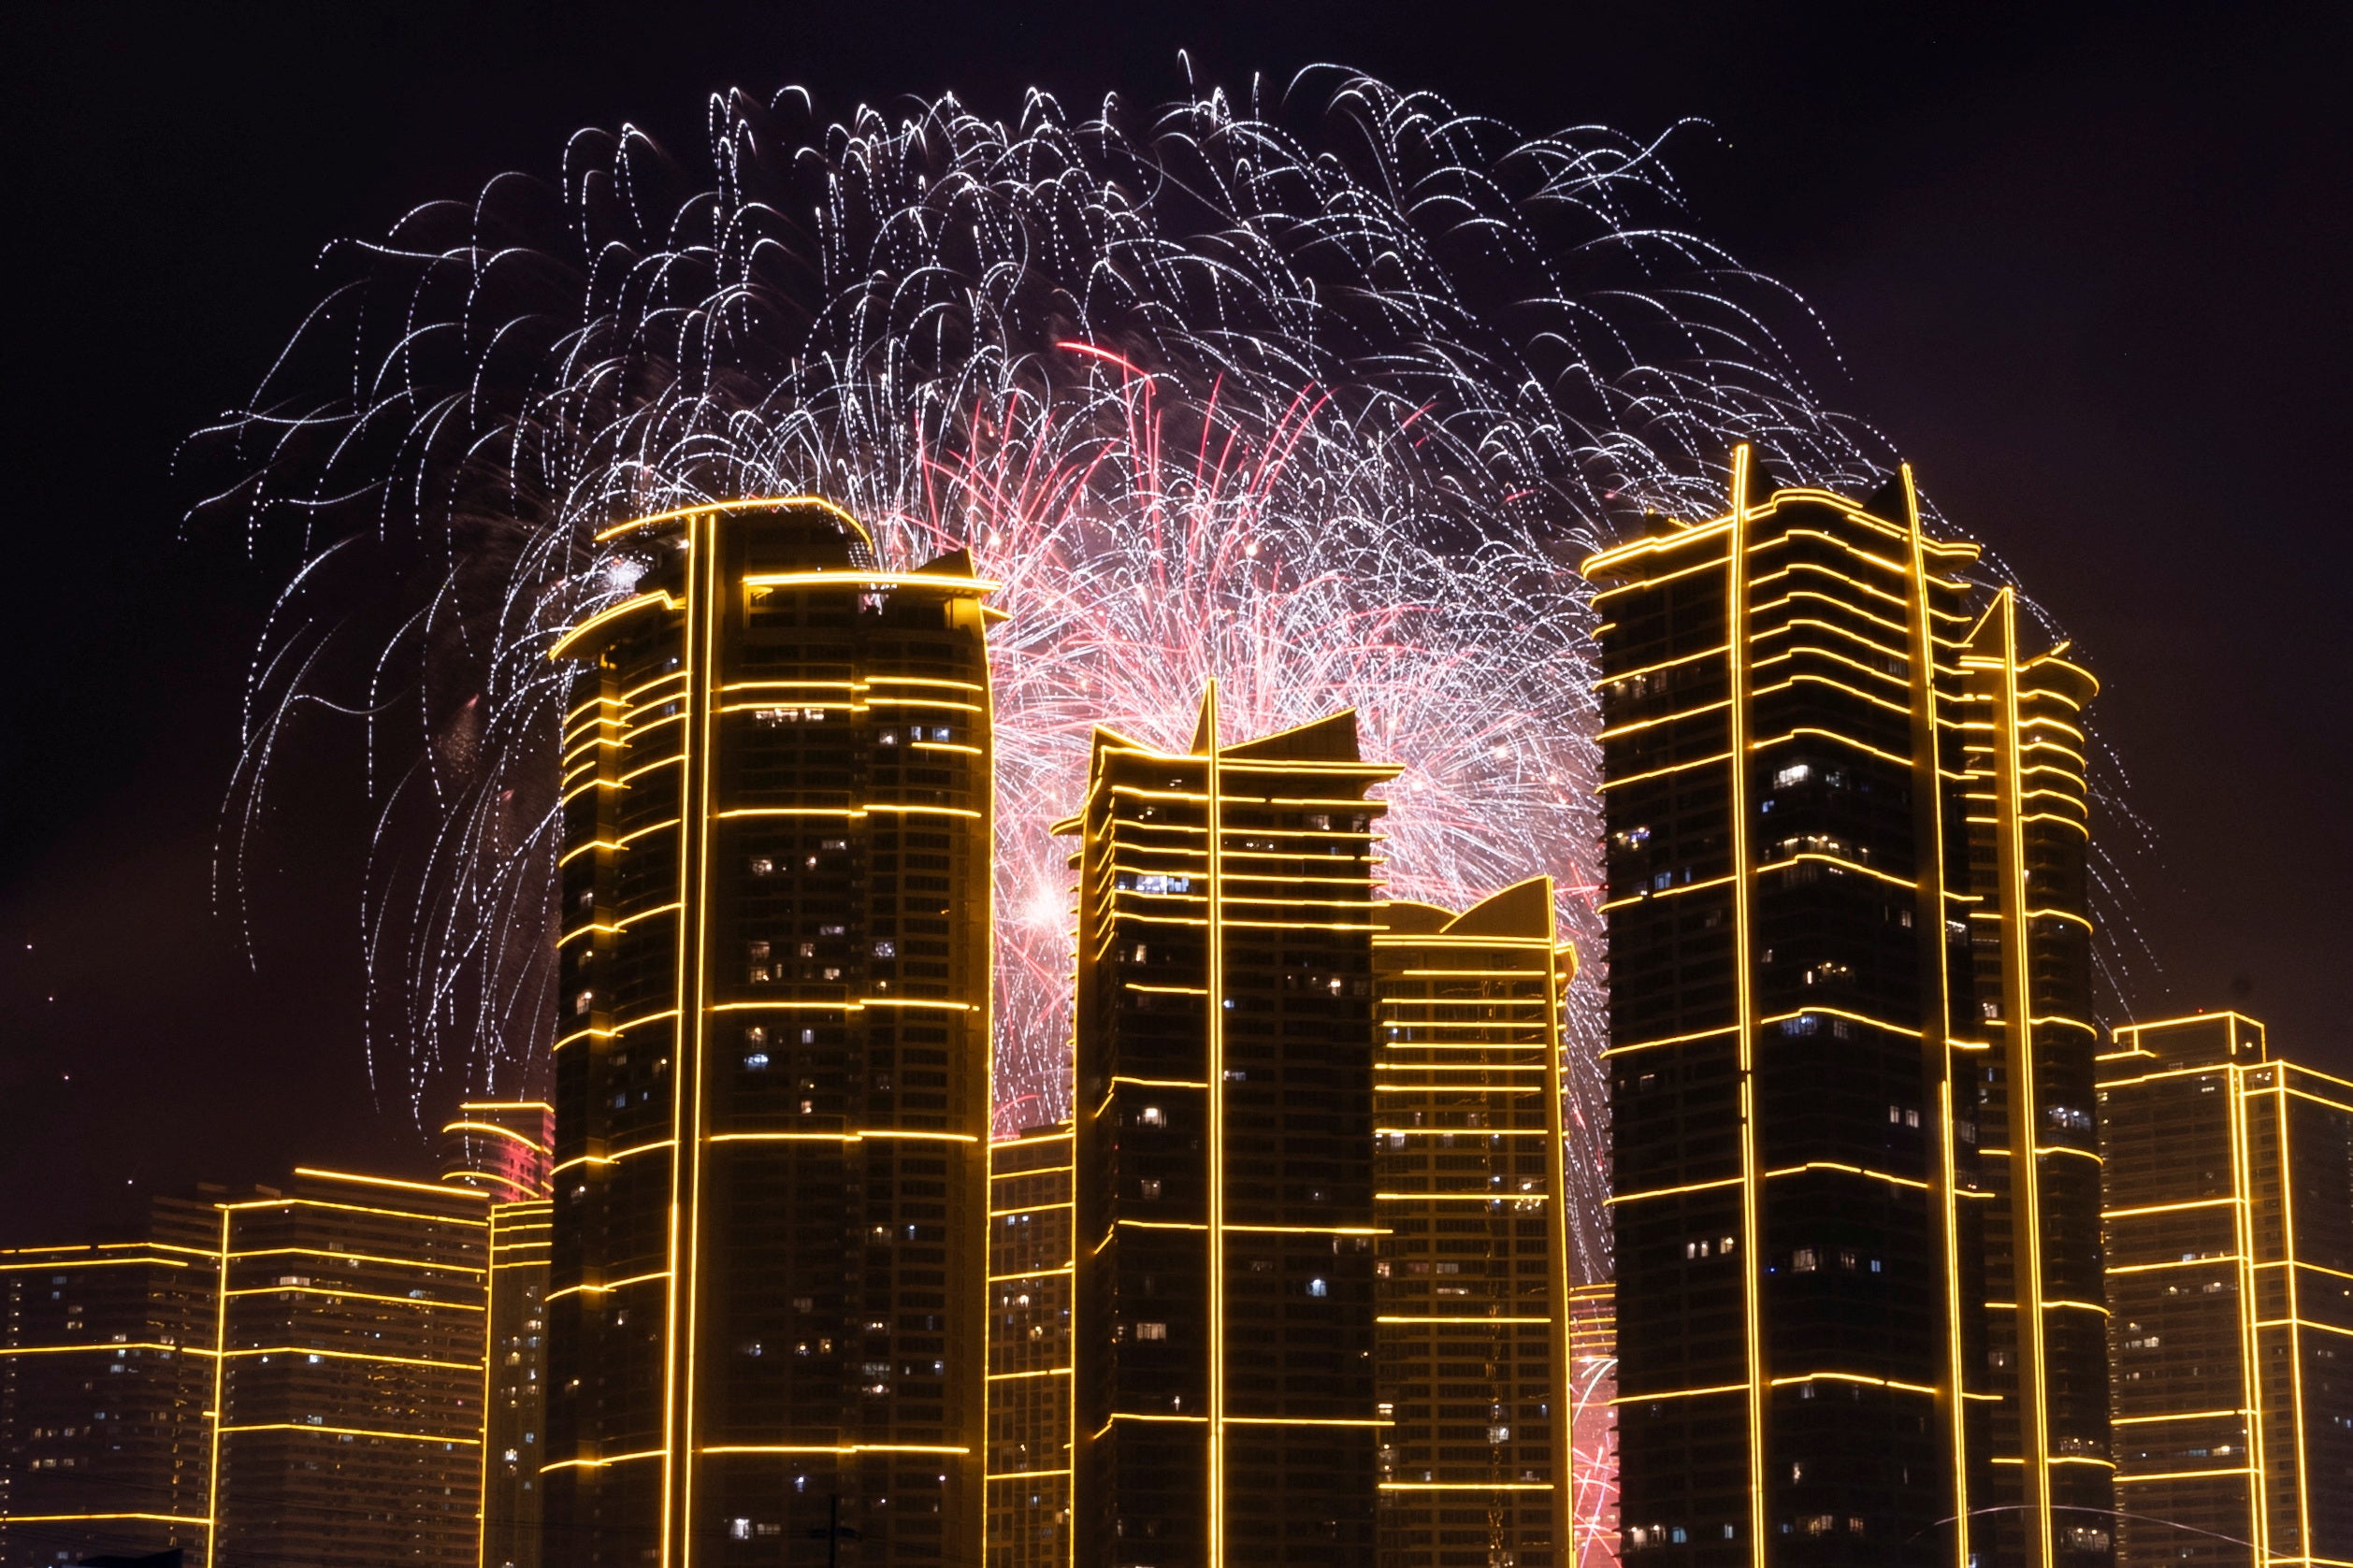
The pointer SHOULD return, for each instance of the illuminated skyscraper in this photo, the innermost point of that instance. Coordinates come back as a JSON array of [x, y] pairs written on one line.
[[2229, 1225], [106, 1377], [502, 1149], [1225, 1220], [1473, 1357], [772, 1083], [348, 1373], [1857, 1318], [1030, 1417]]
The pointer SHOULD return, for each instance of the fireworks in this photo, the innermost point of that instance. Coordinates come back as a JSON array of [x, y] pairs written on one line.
[[1325, 397]]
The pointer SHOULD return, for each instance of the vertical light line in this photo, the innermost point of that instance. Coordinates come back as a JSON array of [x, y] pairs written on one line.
[[2019, 1034], [2299, 1444], [977, 1420], [1556, 1181], [686, 1085], [1928, 776], [1751, 1281], [2250, 1336], [220, 1393], [489, 1360], [1215, 930], [695, 815]]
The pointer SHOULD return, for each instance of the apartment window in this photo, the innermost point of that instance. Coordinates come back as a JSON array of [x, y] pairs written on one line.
[[1151, 1117], [1151, 1330], [1805, 1261], [1149, 1187]]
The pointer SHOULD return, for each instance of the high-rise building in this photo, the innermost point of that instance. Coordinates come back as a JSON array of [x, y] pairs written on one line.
[[514, 1384], [502, 1148], [768, 1314], [2228, 1182], [348, 1373], [1030, 1267], [106, 1378], [1848, 939], [338, 1324], [1472, 1333], [1223, 1339]]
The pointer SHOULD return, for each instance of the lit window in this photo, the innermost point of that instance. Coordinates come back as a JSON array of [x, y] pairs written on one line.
[[763, 866], [1318, 1288], [1149, 1187], [756, 1061], [1804, 1260], [1151, 1117], [1151, 1330], [584, 1002], [885, 949]]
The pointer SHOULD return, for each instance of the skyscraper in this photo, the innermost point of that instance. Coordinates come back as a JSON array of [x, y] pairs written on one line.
[[1472, 1327], [502, 1149], [1225, 1222], [348, 1373], [1845, 843], [772, 1083], [2228, 1181], [105, 1380], [1030, 1268]]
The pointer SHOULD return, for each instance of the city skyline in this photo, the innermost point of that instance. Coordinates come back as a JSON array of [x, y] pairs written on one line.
[[1876, 226], [613, 950], [1272, 1061]]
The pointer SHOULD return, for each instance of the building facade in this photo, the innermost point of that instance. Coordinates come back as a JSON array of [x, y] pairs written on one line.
[[1224, 1293], [106, 1380], [2228, 1182], [503, 1149], [348, 1373], [1030, 1415], [768, 1309], [1472, 1323], [1845, 844]]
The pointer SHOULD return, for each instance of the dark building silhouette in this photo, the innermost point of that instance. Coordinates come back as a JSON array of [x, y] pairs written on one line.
[[1858, 1293], [2228, 1180], [772, 1079], [1223, 1373], [1472, 1323]]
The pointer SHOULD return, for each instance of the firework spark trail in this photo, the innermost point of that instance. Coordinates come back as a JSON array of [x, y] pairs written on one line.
[[1325, 397]]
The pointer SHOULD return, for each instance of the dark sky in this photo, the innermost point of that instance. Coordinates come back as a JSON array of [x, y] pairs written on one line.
[[2086, 266]]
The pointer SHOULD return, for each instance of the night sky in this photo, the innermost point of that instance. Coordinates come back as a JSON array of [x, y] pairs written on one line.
[[2087, 267]]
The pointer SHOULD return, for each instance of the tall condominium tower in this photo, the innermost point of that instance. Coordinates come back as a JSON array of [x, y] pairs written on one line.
[[502, 1149], [1030, 1266], [105, 1381], [1472, 1356], [1858, 1265], [348, 1373], [2228, 1180], [1225, 1221], [772, 1090]]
